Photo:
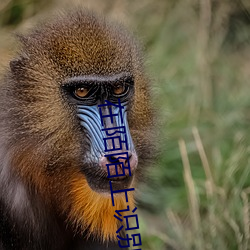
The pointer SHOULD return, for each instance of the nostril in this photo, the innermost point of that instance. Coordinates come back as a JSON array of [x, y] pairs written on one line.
[[119, 158], [129, 155], [112, 159], [119, 163]]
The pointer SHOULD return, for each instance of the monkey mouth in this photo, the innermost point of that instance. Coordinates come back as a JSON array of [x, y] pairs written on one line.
[[119, 179], [99, 182], [117, 183]]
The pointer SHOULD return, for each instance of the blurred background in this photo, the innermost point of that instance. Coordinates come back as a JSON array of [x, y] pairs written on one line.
[[198, 55]]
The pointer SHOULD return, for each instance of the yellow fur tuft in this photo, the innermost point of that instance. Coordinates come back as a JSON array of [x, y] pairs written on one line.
[[94, 211]]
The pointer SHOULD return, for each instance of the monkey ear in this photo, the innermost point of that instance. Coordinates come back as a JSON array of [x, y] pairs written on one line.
[[15, 64], [22, 39], [18, 63]]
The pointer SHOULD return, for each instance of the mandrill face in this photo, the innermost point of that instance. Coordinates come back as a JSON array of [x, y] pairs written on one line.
[[53, 127], [111, 149]]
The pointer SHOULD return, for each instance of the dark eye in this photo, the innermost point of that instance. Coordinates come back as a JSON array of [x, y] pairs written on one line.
[[81, 92], [119, 89]]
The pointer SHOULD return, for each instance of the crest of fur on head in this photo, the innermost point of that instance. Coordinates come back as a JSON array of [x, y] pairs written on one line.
[[40, 142]]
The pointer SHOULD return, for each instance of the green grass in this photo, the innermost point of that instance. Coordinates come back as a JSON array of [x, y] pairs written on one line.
[[200, 189]]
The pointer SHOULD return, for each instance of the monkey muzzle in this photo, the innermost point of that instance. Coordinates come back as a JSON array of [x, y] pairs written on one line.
[[112, 155]]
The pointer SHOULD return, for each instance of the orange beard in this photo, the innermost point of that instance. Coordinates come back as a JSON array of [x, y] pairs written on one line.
[[95, 212]]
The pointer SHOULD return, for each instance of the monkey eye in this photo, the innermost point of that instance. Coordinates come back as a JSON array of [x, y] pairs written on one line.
[[119, 89], [81, 92]]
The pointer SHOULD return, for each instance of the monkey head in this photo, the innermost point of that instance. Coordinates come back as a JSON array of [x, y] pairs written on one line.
[[51, 129]]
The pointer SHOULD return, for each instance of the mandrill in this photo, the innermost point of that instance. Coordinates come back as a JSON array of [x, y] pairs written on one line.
[[54, 170]]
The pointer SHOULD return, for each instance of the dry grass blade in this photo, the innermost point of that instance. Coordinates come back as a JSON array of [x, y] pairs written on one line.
[[246, 220], [192, 197], [204, 159]]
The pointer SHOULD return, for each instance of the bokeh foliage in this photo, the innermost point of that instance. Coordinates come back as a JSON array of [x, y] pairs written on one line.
[[197, 195]]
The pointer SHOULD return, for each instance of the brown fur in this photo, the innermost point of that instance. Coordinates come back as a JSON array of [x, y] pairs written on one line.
[[40, 135]]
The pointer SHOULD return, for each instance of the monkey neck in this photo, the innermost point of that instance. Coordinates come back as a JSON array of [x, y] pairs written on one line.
[[94, 212], [24, 206], [26, 223]]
